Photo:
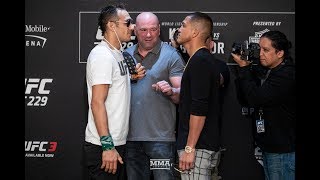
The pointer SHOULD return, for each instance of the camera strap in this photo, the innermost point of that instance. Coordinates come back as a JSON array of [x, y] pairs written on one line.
[[260, 121]]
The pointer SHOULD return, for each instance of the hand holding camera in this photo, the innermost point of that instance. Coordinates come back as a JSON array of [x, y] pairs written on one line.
[[248, 52], [241, 62]]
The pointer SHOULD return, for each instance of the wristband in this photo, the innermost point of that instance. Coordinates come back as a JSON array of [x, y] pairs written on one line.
[[106, 143]]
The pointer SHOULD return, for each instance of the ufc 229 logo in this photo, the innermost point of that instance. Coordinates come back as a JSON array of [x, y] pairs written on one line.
[[37, 91]]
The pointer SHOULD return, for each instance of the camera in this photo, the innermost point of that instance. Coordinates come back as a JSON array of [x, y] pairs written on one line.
[[247, 51]]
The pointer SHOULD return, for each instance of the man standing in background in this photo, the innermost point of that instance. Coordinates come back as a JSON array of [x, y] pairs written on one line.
[[151, 136]]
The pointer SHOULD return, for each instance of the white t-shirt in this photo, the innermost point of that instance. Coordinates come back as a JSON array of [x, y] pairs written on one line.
[[107, 66]]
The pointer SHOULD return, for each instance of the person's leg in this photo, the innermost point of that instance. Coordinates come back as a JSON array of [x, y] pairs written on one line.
[[290, 164], [162, 156], [279, 166], [93, 155], [121, 168], [137, 162], [272, 164], [265, 166], [215, 173]]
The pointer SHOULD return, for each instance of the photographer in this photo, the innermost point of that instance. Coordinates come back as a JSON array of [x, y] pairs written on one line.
[[275, 103]]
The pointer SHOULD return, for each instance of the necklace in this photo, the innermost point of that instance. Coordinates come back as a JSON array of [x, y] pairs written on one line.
[[111, 44], [192, 55], [111, 51]]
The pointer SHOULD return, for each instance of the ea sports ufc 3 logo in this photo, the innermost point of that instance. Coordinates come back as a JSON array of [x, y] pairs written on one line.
[[37, 91], [41, 146], [40, 149]]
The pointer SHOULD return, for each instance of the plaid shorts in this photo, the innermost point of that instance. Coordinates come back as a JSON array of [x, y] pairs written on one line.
[[206, 163]]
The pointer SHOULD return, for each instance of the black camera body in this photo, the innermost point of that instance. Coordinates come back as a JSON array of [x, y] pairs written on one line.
[[249, 52]]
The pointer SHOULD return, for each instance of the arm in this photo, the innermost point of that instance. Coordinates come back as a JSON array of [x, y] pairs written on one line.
[[196, 124], [273, 90], [172, 89], [176, 83], [99, 96], [173, 92]]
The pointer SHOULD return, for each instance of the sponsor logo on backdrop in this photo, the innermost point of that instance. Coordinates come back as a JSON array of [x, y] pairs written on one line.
[[266, 23], [220, 23], [34, 35], [218, 47], [256, 37], [90, 34], [171, 23], [125, 45], [40, 149], [86, 43], [37, 91]]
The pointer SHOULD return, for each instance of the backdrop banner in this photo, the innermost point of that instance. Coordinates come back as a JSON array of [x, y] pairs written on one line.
[[58, 38]]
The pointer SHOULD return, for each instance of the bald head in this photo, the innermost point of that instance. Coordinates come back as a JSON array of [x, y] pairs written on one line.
[[147, 17], [147, 31]]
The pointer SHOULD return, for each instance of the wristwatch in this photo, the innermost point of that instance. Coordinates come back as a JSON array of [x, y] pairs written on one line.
[[189, 149]]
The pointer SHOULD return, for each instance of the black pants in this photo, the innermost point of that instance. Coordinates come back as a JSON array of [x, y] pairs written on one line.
[[93, 154]]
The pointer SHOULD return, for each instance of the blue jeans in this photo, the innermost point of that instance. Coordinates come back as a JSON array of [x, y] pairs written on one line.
[[144, 157], [279, 166]]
